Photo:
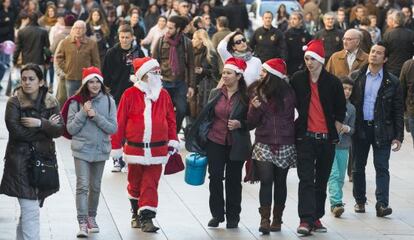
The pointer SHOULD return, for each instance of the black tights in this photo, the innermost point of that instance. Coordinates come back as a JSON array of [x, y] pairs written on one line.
[[269, 173]]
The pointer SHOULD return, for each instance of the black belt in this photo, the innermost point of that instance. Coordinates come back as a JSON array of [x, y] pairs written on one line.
[[147, 145], [317, 136], [369, 122]]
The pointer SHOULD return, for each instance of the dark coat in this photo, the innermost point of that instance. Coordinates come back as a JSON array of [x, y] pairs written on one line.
[[31, 42], [388, 111], [268, 44], [400, 45], [15, 182], [196, 140], [117, 68], [332, 98], [7, 21], [332, 41], [274, 125], [296, 38]]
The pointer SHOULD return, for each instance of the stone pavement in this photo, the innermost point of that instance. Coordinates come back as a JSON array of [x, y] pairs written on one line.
[[183, 212]]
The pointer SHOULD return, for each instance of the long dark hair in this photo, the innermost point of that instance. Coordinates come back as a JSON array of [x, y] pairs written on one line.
[[83, 91], [244, 98], [273, 87]]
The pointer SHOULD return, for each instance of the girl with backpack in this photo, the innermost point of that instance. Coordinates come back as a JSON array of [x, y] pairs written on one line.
[[91, 119]]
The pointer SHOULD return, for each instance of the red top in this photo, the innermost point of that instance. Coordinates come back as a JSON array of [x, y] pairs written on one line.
[[316, 116], [219, 132]]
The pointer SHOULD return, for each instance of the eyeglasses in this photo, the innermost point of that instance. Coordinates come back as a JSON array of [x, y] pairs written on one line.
[[237, 42]]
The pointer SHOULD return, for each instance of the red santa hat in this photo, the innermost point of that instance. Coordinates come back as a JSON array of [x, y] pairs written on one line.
[[142, 66], [236, 64], [316, 50], [276, 66], [91, 72]]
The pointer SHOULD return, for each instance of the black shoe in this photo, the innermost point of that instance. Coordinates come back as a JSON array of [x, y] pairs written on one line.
[[359, 207], [232, 224], [214, 222], [383, 211], [145, 218]]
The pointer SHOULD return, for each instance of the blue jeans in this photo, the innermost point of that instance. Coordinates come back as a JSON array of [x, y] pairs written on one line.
[[4, 64], [28, 227], [72, 86], [336, 179], [381, 163], [88, 187], [178, 93]]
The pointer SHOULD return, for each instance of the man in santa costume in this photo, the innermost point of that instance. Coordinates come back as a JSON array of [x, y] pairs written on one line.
[[147, 127]]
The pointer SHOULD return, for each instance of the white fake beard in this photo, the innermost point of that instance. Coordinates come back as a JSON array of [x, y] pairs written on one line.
[[152, 88]]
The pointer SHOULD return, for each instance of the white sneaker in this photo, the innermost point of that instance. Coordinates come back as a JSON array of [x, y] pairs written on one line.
[[92, 225], [83, 230]]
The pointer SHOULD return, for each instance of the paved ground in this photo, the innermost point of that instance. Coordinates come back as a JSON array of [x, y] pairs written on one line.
[[183, 212]]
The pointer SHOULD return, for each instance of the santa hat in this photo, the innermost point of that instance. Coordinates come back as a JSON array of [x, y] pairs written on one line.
[[316, 50], [142, 66], [236, 64], [91, 72], [276, 66]]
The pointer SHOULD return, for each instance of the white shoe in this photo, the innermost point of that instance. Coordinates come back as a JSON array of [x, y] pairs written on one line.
[[83, 230], [92, 225]]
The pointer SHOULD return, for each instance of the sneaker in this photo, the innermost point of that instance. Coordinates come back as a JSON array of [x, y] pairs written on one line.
[[304, 228], [359, 207], [83, 230], [383, 211], [118, 165], [92, 225], [337, 210], [318, 227]]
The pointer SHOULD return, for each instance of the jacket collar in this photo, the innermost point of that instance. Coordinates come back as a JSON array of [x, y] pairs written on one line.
[[83, 40], [359, 54], [26, 102]]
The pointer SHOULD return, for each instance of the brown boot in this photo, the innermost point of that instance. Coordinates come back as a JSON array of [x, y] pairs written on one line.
[[265, 220], [277, 218]]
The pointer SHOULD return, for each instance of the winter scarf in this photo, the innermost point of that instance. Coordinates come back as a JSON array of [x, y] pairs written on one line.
[[173, 55], [246, 56]]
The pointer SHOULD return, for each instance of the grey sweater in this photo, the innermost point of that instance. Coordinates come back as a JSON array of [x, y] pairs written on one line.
[[345, 138], [91, 136]]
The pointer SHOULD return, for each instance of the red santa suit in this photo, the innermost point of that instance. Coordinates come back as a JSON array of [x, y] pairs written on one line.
[[146, 129]]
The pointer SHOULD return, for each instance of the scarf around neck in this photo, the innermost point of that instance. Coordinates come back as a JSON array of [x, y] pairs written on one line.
[[173, 55], [246, 56]]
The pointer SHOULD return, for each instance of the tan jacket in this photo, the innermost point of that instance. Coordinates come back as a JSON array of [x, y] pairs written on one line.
[[338, 65], [72, 60]]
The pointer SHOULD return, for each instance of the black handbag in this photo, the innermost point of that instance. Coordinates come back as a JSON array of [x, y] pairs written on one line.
[[43, 172]]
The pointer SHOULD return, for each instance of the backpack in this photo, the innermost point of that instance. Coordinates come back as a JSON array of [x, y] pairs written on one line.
[[65, 110]]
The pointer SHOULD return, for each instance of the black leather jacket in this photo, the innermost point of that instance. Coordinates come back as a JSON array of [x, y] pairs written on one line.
[[389, 108]]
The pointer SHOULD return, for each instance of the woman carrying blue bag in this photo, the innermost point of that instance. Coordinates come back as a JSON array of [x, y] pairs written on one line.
[[220, 133]]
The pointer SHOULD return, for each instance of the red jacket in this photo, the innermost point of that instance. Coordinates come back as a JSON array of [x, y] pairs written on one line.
[[141, 120]]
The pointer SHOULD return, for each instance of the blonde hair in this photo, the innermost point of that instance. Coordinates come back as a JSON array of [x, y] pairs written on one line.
[[203, 35]]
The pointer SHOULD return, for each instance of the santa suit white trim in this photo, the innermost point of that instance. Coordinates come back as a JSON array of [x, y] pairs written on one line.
[[148, 126], [147, 208], [145, 160]]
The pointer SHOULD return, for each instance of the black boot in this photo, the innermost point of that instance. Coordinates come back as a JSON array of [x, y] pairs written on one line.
[[135, 223], [145, 217]]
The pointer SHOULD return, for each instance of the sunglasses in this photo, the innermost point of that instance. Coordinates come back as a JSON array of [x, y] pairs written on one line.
[[240, 41]]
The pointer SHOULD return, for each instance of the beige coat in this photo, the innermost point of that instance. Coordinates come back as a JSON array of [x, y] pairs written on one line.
[[72, 59], [338, 65]]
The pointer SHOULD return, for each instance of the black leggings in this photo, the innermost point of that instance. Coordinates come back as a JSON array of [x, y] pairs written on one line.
[[269, 173]]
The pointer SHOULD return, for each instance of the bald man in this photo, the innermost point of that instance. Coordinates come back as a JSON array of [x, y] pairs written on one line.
[[349, 59], [75, 53]]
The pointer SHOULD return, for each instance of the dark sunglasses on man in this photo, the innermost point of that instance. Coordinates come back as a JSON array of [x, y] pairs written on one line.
[[240, 41]]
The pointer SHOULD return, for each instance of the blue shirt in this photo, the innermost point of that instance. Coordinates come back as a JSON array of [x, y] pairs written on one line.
[[372, 86]]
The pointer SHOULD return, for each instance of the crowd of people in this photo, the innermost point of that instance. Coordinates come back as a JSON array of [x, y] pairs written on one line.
[[319, 90]]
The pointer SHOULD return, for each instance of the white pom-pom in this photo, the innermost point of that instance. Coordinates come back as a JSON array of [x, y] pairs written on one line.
[[133, 78], [304, 48]]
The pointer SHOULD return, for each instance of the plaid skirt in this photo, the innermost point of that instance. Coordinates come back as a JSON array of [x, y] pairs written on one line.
[[283, 157]]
